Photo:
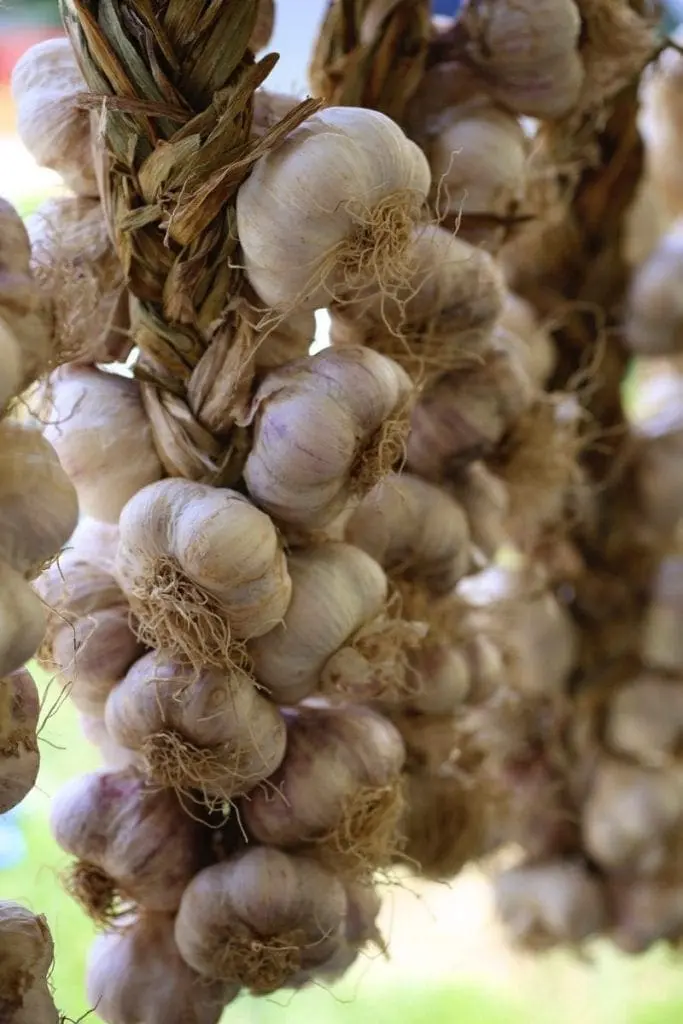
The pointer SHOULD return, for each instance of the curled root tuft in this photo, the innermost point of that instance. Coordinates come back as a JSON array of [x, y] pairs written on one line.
[[367, 836], [385, 451], [173, 762], [177, 616], [262, 965], [95, 891]]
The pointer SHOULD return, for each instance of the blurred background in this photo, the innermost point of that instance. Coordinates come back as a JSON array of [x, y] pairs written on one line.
[[449, 962]]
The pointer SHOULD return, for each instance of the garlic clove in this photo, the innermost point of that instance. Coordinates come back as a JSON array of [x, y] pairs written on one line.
[[10, 365], [23, 621]]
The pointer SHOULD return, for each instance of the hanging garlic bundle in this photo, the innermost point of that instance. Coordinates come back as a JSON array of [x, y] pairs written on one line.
[[26, 957]]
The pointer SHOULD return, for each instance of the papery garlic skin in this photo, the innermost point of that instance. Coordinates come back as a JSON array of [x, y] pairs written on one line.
[[321, 427], [336, 589], [519, 327], [38, 503], [23, 621], [26, 958], [131, 842], [46, 86], [113, 755], [215, 733], [548, 904], [136, 974], [98, 427], [212, 547], [339, 762], [311, 214], [414, 530], [259, 918], [10, 364], [19, 755]]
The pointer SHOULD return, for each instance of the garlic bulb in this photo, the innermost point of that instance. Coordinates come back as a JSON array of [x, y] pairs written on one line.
[[646, 910], [662, 641], [464, 414], [260, 918], [19, 755], [414, 530], [26, 958], [485, 500], [331, 209], [519, 327], [96, 421], [23, 621], [548, 904], [269, 108], [38, 504], [114, 756], [93, 654], [325, 428], [24, 313], [132, 844], [46, 86], [645, 720], [215, 733], [631, 815], [337, 790], [659, 476], [76, 266], [527, 52], [654, 314], [202, 568], [10, 365], [136, 973], [363, 907], [438, 316], [478, 160], [337, 591]]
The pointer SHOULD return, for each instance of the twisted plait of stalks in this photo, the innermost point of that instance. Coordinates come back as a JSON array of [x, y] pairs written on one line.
[[173, 85]]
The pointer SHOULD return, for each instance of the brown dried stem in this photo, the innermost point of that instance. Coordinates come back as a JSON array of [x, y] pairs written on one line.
[[174, 82]]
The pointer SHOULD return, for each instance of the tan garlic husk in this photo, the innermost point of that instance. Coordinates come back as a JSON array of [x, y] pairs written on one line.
[[79, 273], [95, 420], [632, 818], [26, 959], [478, 156], [662, 642], [19, 754], [337, 792], [46, 87], [290, 338], [25, 316], [465, 413], [438, 317], [260, 918], [654, 312], [204, 570], [38, 503], [23, 621], [132, 844], [485, 500], [552, 903], [214, 733], [527, 53], [644, 720], [135, 973], [337, 634], [414, 530], [520, 328], [358, 186], [326, 428]]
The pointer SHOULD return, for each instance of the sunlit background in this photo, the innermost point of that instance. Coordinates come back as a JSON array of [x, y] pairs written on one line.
[[449, 962]]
